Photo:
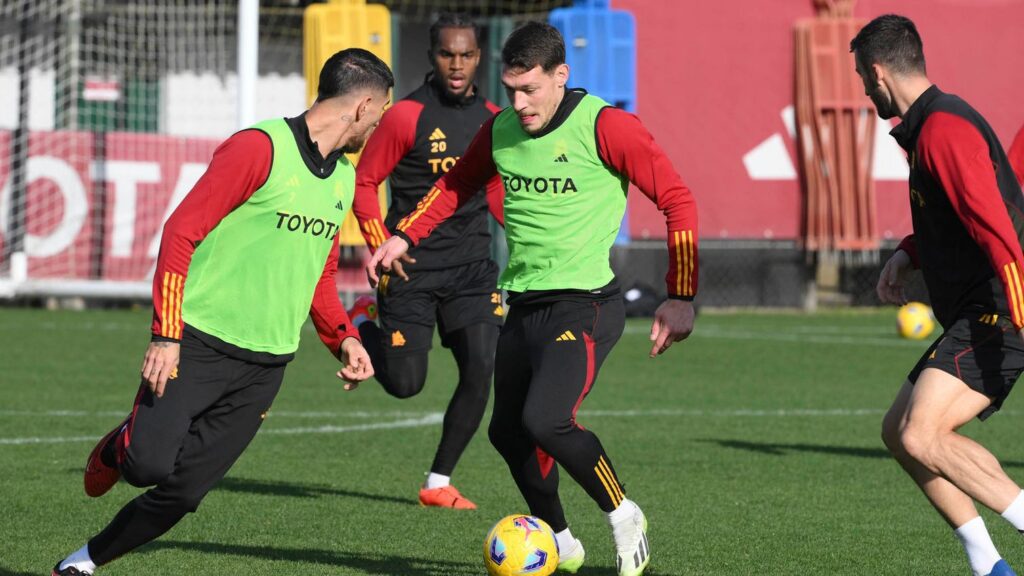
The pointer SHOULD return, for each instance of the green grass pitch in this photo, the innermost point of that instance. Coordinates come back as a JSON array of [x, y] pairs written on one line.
[[753, 448]]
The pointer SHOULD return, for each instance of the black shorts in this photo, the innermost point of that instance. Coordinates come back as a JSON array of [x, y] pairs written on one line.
[[453, 297], [981, 350]]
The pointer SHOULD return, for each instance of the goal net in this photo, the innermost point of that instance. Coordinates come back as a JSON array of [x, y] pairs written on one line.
[[110, 111]]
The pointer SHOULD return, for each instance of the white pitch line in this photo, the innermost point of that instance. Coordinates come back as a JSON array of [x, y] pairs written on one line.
[[88, 326], [434, 418], [275, 413], [409, 414], [428, 420], [844, 331], [805, 337], [37, 440], [780, 413], [431, 419]]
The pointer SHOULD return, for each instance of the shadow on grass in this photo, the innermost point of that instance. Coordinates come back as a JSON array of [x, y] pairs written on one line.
[[6, 572], [592, 571], [371, 564], [775, 449], [272, 488]]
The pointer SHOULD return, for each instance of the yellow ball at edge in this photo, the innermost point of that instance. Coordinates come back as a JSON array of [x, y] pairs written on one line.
[[915, 321]]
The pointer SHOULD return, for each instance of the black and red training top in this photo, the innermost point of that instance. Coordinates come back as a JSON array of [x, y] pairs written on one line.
[[967, 210], [418, 140]]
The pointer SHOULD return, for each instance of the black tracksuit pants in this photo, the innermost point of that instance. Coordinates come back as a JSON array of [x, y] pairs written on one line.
[[547, 360], [183, 443]]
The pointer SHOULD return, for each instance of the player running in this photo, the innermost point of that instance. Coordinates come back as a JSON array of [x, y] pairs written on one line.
[[566, 159], [452, 280], [967, 208], [249, 253]]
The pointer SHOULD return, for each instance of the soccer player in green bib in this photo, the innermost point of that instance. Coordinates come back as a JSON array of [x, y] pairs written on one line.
[[566, 159], [247, 256]]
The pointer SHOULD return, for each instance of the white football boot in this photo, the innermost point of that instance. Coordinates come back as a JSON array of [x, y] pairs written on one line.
[[572, 560], [633, 554]]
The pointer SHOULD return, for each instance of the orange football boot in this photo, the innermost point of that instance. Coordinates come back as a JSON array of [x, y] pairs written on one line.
[[445, 497]]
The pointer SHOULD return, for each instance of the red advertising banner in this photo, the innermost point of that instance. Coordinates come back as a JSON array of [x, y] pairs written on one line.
[[129, 182], [716, 88]]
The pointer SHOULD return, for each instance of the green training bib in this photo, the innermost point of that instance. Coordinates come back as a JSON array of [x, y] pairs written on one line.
[[251, 280]]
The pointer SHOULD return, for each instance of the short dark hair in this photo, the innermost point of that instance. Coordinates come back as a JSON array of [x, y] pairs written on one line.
[[893, 41], [534, 44], [451, 20], [353, 69]]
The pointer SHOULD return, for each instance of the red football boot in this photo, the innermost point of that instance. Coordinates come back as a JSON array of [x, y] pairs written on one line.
[[100, 478]]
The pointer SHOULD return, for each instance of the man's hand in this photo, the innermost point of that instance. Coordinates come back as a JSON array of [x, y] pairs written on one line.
[[357, 366], [673, 321], [397, 268], [160, 362], [893, 278], [385, 259]]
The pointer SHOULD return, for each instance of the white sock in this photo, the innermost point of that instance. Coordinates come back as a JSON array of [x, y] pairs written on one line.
[[80, 560], [981, 552], [435, 480], [623, 513], [565, 540], [1014, 514]]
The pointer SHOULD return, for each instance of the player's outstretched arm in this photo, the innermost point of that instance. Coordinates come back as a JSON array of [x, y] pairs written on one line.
[[627, 147], [160, 362], [893, 278], [673, 321], [356, 363], [457, 187]]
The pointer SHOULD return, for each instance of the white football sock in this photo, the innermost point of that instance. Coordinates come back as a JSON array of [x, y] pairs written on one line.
[[80, 560], [981, 552], [1014, 514], [435, 480], [623, 513], [566, 541]]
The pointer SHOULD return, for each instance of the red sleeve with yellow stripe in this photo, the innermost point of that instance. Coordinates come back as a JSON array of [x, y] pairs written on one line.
[[628, 148], [390, 141], [239, 167], [956, 154], [459, 185]]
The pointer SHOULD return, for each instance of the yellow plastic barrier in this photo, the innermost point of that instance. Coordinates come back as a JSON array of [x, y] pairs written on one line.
[[329, 28]]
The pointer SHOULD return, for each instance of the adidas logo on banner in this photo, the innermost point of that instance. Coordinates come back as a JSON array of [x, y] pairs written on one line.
[[561, 158], [566, 336], [437, 135], [340, 206]]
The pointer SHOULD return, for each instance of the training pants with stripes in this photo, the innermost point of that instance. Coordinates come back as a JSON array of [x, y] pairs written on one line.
[[547, 361], [184, 442]]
